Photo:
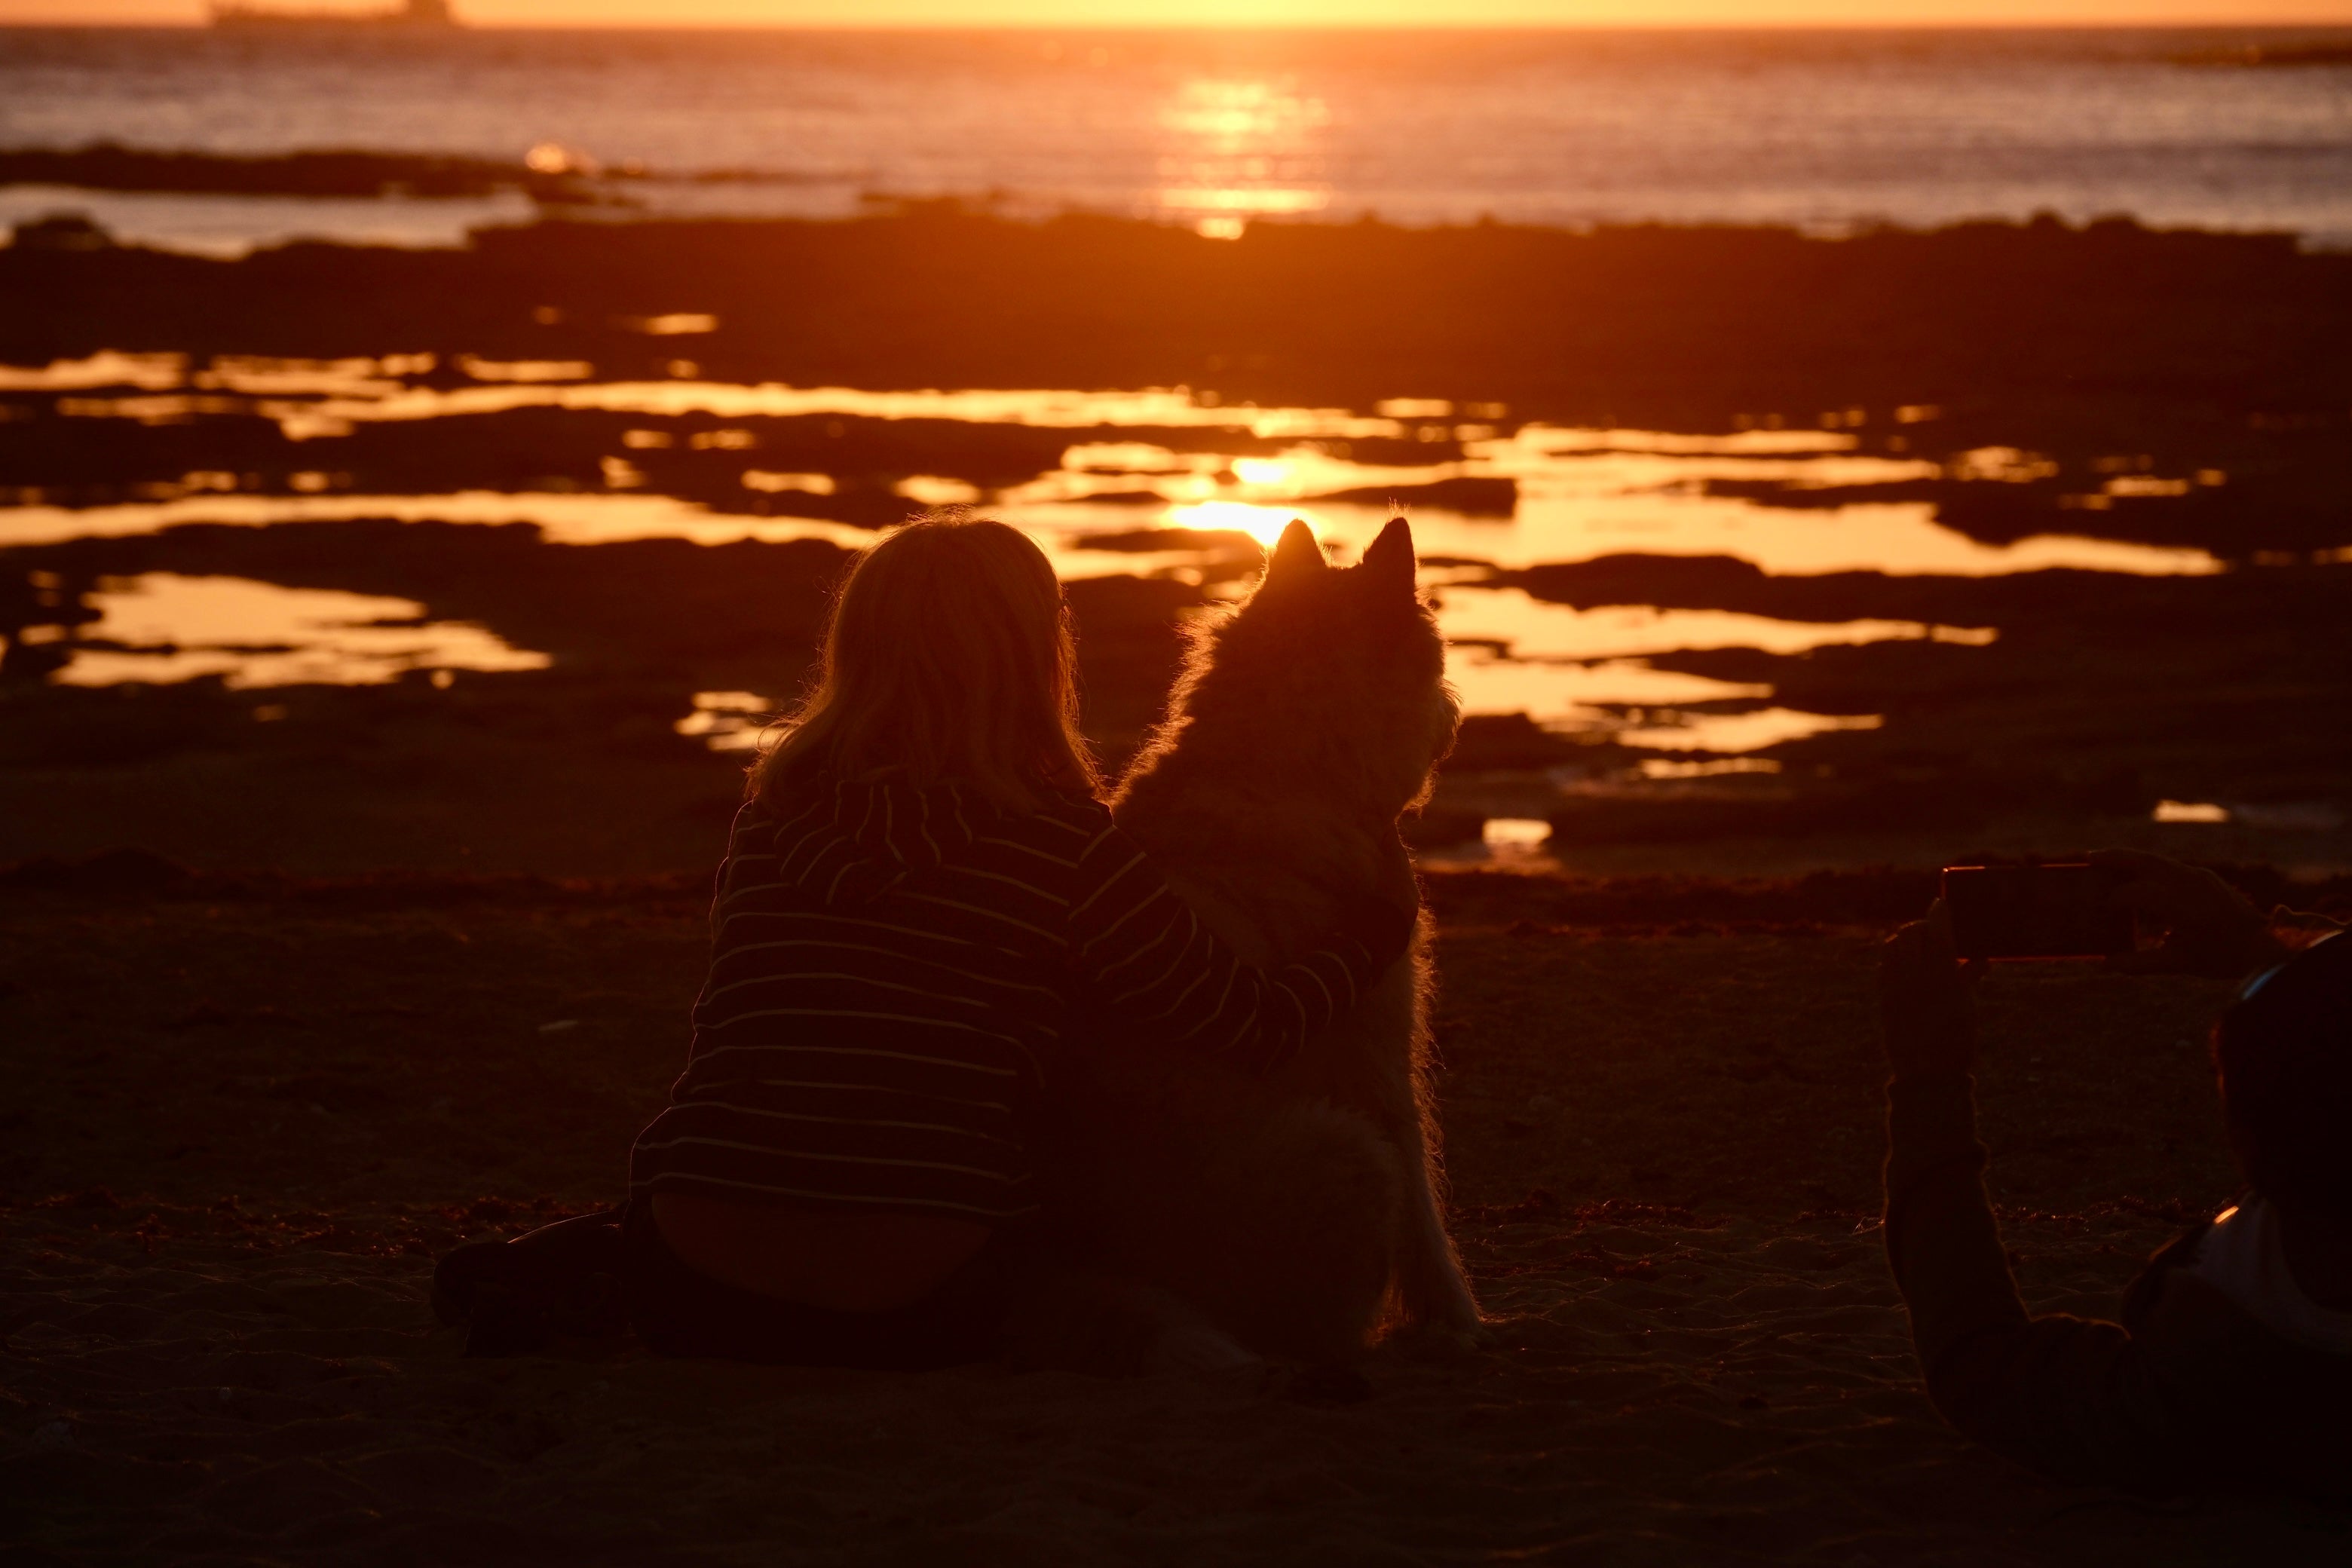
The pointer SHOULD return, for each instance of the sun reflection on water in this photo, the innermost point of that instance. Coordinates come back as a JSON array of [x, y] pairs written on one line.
[[1263, 523], [729, 720], [1241, 148], [1160, 482], [162, 627]]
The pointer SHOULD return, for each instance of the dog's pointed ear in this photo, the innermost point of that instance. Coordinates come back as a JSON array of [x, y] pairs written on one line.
[[1297, 555], [1389, 560]]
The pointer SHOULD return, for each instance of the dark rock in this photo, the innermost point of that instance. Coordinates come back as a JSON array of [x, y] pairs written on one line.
[[124, 871], [1473, 496], [62, 232]]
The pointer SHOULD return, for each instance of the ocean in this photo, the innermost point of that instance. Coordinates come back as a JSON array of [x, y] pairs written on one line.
[[1825, 130]]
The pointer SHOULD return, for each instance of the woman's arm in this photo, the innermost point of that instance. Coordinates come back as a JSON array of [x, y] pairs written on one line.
[[1147, 955]]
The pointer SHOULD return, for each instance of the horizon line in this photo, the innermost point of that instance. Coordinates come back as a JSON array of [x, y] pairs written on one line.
[[2231, 23]]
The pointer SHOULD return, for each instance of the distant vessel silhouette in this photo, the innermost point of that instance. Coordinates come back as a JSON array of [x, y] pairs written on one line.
[[414, 14]]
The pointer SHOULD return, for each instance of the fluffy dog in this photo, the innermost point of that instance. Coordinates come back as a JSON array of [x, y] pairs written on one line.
[[1303, 1215]]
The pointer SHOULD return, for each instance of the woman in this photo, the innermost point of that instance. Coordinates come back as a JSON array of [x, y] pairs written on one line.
[[922, 896]]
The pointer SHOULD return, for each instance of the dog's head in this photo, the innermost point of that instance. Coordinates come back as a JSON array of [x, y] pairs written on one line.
[[1337, 674]]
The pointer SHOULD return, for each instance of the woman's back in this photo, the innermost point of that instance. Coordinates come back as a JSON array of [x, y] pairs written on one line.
[[893, 968], [888, 970]]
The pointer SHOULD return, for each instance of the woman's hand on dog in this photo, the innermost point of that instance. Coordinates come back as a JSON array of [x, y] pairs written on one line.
[[1381, 925]]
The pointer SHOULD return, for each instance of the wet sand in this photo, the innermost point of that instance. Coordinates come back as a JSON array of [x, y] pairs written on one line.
[[2112, 324], [249, 1117], [2199, 351], [2177, 390], [2202, 351]]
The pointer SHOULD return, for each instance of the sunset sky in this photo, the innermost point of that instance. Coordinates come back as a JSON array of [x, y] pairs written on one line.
[[1313, 13]]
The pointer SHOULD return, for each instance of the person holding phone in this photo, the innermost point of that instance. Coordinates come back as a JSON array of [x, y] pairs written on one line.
[[2231, 1362]]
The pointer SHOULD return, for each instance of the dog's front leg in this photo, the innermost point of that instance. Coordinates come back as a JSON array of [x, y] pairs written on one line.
[[1431, 1287]]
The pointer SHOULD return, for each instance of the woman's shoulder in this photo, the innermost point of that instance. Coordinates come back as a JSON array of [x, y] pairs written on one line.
[[767, 819], [765, 811]]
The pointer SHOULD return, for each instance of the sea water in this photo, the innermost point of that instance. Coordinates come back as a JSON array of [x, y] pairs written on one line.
[[1827, 131]]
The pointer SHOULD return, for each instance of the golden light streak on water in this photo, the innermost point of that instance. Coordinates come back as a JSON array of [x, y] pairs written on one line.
[[1580, 493], [253, 634]]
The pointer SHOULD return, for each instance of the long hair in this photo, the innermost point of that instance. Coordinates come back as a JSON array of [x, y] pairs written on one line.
[[949, 656]]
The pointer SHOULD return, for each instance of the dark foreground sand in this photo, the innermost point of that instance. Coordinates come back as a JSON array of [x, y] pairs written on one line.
[[238, 1130]]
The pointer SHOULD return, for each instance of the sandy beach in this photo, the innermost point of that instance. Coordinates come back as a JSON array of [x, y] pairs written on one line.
[[252, 1121]]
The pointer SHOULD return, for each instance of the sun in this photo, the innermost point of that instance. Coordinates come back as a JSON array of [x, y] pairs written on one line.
[[1263, 523]]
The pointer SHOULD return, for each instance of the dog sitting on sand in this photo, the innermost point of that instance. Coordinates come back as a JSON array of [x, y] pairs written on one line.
[[1302, 1214]]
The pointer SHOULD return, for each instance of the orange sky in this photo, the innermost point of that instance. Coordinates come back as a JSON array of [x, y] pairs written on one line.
[[1344, 13], [1261, 13]]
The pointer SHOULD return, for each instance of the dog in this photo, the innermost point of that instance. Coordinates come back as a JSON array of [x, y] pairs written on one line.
[[1301, 1214]]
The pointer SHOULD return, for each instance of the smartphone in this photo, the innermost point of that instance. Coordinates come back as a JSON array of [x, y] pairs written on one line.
[[2035, 911]]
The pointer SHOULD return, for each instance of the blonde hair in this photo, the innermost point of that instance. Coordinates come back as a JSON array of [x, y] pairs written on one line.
[[948, 655]]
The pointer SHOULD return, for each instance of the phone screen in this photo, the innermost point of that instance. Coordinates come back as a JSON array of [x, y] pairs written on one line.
[[2035, 911]]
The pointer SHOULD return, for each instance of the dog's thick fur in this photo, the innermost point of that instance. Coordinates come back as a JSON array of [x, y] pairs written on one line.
[[1303, 1215]]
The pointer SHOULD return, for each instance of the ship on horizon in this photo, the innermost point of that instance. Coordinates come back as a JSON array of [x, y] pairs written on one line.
[[412, 14]]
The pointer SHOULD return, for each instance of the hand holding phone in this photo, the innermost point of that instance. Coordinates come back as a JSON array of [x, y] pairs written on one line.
[[2063, 911], [2208, 927]]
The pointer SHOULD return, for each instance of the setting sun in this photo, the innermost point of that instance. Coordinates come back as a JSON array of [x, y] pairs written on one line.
[[1263, 523]]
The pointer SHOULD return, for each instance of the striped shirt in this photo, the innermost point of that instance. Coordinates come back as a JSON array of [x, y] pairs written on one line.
[[892, 971]]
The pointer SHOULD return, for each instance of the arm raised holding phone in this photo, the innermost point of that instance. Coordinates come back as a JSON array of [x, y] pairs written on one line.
[[2233, 1357]]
